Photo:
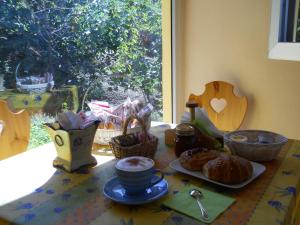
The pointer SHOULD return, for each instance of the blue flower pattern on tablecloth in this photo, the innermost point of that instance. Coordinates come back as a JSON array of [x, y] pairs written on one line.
[[95, 178], [28, 217], [287, 191], [90, 190], [130, 222], [66, 181], [83, 171], [164, 209], [177, 219], [168, 173], [66, 196], [185, 181], [57, 172], [287, 172], [279, 222], [296, 156], [38, 190], [133, 208], [58, 210], [277, 205], [50, 192], [27, 205]]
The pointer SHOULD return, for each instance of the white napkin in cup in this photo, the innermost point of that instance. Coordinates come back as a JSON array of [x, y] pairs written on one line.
[[69, 120], [201, 114]]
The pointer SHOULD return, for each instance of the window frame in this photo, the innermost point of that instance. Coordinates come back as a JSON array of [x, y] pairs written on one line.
[[280, 50], [167, 71]]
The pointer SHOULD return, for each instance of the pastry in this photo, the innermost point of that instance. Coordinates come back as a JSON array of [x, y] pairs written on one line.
[[195, 159], [126, 140], [228, 169]]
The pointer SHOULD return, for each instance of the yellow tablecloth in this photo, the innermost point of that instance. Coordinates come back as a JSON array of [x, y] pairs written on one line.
[[33, 192]]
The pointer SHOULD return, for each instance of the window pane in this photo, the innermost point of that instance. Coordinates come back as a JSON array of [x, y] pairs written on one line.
[[298, 23], [66, 46]]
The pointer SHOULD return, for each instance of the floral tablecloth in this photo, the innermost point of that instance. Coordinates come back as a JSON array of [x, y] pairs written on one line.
[[33, 192]]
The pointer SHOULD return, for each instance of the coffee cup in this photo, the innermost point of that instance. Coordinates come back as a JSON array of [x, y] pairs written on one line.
[[136, 174]]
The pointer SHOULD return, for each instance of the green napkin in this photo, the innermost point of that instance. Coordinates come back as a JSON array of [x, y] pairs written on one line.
[[214, 203]]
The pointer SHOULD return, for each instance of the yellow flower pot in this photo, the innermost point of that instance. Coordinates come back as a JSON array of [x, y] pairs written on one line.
[[73, 147]]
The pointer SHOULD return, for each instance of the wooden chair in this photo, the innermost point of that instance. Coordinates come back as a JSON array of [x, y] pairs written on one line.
[[231, 116], [15, 131]]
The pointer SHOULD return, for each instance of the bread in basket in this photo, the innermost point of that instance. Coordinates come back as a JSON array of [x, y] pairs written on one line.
[[146, 147]]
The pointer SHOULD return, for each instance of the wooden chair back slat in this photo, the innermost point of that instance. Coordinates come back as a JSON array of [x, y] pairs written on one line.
[[231, 117], [14, 137]]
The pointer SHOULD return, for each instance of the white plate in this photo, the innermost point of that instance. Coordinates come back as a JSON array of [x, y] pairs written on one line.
[[258, 169]]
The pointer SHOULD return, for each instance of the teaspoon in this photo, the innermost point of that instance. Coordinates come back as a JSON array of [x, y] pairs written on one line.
[[197, 195]]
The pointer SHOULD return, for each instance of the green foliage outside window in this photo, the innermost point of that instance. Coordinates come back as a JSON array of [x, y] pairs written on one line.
[[38, 134], [298, 26], [81, 40]]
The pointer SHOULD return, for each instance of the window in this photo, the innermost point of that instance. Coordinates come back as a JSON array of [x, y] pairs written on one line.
[[289, 21], [285, 30], [112, 46]]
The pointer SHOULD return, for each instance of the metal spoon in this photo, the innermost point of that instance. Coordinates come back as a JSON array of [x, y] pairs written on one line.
[[197, 195]]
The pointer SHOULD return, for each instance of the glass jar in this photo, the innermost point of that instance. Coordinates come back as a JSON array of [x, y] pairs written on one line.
[[185, 138]]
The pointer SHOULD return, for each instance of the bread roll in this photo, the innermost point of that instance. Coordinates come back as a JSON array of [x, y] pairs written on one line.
[[228, 169], [195, 159]]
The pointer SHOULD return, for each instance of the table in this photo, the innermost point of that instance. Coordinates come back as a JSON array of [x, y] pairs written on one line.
[[48, 102], [33, 192]]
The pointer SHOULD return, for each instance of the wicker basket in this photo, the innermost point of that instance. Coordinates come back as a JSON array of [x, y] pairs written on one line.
[[37, 88], [33, 88], [146, 148], [104, 135]]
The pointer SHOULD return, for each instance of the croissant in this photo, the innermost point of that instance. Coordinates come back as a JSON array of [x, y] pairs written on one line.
[[196, 158], [228, 169]]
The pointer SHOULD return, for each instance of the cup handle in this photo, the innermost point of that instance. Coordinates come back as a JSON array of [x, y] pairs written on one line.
[[153, 182]]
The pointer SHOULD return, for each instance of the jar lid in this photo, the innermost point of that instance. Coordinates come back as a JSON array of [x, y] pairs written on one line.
[[184, 129]]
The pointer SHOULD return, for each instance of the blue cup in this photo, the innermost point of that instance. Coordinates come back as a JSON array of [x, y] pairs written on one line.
[[136, 174]]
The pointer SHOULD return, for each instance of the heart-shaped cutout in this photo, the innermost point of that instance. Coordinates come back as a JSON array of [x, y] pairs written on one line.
[[218, 105]]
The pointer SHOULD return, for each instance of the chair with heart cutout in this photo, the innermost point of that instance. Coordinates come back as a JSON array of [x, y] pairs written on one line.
[[224, 108]]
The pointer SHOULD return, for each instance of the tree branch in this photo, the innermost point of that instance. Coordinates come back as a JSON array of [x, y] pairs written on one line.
[[49, 9]]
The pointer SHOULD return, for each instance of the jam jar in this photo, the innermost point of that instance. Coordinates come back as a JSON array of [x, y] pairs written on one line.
[[185, 138]]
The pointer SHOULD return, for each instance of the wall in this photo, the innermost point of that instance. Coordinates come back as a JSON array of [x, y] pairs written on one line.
[[228, 40]]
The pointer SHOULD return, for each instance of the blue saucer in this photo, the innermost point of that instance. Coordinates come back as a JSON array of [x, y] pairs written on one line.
[[117, 193]]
